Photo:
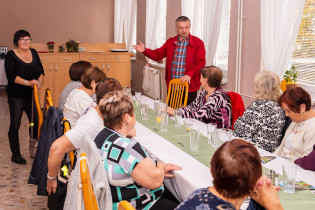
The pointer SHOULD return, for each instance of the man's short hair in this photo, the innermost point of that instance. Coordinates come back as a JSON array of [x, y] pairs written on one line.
[[182, 19]]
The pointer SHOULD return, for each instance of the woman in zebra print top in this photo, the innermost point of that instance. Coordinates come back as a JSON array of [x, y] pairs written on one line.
[[213, 104]]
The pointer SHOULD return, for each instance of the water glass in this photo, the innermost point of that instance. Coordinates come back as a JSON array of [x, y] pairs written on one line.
[[145, 111], [211, 127], [178, 117], [156, 108], [228, 133], [161, 110], [289, 174], [164, 122], [188, 124], [216, 142], [138, 98], [194, 140]]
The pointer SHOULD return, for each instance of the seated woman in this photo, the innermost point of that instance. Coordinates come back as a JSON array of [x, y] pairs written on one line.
[[79, 100], [263, 121], [299, 138], [237, 174], [213, 104], [132, 173], [75, 72]]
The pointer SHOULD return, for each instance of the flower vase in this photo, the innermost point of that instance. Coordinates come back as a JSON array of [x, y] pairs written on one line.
[[70, 50], [51, 49]]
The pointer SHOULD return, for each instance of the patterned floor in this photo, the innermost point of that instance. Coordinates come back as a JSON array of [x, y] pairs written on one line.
[[15, 193]]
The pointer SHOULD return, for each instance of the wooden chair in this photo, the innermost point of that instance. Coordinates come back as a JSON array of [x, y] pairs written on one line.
[[48, 98], [125, 205], [89, 198], [176, 91], [66, 127], [38, 108]]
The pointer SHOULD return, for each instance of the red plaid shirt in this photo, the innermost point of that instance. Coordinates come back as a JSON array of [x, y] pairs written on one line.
[[179, 60]]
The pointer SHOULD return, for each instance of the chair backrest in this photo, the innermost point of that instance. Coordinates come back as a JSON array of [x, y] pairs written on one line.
[[125, 205], [237, 106], [38, 108], [89, 198], [48, 98], [177, 95], [66, 127]]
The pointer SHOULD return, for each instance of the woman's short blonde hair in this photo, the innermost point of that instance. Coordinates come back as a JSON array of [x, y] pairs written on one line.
[[113, 106], [267, 86]]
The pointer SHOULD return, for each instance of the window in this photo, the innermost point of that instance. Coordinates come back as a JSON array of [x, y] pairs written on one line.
[[221, 57], [303, 57]]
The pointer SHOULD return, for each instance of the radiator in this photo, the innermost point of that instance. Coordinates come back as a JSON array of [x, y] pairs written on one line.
[[154, 90]]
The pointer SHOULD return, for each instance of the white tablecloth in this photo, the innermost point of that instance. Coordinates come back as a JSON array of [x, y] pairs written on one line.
[[195, 175], [3, 77]]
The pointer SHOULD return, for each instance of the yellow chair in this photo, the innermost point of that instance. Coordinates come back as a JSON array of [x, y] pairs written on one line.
[[38, 108], [66, 127], [89, 198], [125, 205], [176, 91], [48, 98]]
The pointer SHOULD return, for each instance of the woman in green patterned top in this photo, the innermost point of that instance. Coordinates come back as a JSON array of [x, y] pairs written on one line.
[[133, 174]]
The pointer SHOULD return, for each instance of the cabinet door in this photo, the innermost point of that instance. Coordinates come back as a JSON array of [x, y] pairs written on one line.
[[47, 82], [62, 65], [119, 71]]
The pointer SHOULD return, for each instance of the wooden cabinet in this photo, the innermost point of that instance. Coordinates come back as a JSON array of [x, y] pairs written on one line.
[[56, 66]]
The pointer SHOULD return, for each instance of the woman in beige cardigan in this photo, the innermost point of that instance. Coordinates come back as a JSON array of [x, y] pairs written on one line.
[[299, 138]]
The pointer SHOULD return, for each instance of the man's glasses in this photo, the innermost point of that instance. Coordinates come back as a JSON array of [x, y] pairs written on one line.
[[25, 40]]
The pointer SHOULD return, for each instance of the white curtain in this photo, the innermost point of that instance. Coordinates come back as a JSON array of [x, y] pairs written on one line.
[[205, 17], [155, 26], [125, 22], [280, 21]]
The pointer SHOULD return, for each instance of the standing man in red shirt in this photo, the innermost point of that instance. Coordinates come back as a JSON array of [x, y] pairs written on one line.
[[185, 56]]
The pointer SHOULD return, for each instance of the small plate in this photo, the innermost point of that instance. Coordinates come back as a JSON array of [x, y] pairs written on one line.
[[119, 50]]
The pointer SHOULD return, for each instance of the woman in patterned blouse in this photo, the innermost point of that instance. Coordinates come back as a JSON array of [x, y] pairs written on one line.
[[133, 174], [237, 173], [263, 121], [213, 104]]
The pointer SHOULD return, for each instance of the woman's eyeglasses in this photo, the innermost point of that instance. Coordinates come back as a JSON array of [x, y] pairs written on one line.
[[25, 40]]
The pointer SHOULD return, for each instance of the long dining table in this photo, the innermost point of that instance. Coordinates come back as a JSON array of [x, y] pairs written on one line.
[[174, 147]]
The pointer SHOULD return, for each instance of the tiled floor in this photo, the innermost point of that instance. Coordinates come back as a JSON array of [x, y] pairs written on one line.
[[15, 193]]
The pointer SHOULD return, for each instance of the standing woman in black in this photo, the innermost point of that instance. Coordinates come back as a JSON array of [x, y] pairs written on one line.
[[24, 70]]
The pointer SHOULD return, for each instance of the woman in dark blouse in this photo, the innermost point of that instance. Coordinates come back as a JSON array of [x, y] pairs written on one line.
[[23, 70], [237, 173]]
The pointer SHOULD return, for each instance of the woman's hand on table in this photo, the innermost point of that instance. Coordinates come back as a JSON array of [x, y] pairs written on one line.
[[170, 111], [169, 167], [266, 194]]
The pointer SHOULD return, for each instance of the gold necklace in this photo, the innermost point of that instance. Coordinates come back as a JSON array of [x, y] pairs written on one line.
[[29, 55]]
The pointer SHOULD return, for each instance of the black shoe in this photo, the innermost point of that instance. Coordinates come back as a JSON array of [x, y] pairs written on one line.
[[18, 159]]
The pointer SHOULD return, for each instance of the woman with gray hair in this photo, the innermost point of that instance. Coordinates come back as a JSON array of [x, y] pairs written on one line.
[[263, 121]]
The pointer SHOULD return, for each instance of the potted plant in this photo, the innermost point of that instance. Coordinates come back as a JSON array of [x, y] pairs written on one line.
[[290, 77], [72, 46], [50, 45]]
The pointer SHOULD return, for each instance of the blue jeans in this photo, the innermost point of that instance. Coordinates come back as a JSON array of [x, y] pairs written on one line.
[[17, 106]]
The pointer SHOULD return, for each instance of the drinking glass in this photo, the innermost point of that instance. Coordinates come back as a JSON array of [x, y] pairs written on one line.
[[228, 133], [164, 122], [138, 98], [194, 140], [161, 110], [211, 127], [188, 124], [145, 110], [216, 142], [289, 174], [156, 108], [178, 117]]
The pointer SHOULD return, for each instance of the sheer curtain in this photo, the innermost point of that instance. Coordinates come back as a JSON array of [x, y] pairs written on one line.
[[155, 26], [125, 22], [205, 17], [280, 21]]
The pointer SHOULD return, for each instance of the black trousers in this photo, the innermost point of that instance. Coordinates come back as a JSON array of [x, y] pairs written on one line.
[[166, 202], [17, 106]]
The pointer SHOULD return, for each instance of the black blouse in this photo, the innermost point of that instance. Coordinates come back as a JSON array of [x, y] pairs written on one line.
[[14, 67]]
